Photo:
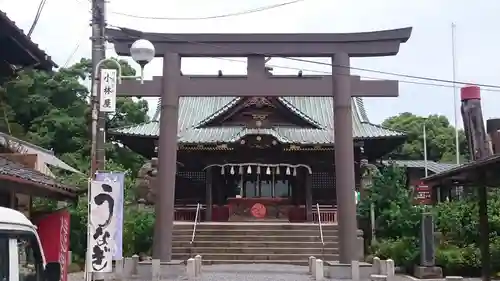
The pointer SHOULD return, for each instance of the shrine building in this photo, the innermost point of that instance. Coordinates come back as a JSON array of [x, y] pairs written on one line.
[[234, 152]]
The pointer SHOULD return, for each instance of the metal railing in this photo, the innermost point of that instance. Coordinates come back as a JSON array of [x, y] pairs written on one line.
[[196, 219], [321, 233]]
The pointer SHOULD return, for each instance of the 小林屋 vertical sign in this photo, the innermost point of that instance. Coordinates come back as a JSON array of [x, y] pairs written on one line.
[[107, 100]]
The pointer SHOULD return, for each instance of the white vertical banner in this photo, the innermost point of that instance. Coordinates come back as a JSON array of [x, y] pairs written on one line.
[[118, 177], [103, 224], [107, 101]]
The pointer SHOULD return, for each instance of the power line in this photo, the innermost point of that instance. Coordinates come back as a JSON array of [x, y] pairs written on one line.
[[37, 17], [70, 57], [131, 33], [365, 77], [350, 67], [398, 74], [234, 14]]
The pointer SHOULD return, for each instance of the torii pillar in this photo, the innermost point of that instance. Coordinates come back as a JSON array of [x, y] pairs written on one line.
[[340, 85]]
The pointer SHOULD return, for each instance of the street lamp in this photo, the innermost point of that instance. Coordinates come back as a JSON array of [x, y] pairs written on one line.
[[142, 52], [104, 97]]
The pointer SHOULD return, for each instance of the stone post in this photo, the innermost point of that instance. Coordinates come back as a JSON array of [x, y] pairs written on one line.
[[135, 264], [383, 267], [119, 269], [313, 266], [155, 270], [355, 270], [312, 261], [319, 273], [191, 268], [128, 267], [390, 268], [376, 265], [198, 263]]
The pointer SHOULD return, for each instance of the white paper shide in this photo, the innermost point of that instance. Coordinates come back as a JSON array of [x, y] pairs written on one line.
[[103, 224], [107, 102]]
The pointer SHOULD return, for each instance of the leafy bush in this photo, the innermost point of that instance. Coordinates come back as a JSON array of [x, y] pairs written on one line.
[[138, 231], [455, 260], [396, 217], [458, 222], [404, 251], [398, 226]]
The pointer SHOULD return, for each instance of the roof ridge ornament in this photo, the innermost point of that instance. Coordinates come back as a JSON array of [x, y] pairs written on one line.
[[258, 102]]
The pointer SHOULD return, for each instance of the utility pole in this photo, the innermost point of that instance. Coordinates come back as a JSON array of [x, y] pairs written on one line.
[[98, 54], [97, 151]]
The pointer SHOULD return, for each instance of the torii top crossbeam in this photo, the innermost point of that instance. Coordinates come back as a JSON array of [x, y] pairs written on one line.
[[259, 82], [363, 44]]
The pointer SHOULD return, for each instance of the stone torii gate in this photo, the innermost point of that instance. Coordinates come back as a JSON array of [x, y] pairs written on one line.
[[259, 82]]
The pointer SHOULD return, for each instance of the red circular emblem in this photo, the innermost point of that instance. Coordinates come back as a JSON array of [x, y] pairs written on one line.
[[258, 210]]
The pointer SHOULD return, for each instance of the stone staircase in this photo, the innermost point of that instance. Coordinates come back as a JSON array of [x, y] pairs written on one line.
[[255, 242]]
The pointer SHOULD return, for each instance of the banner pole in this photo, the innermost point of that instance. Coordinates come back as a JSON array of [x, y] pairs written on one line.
[[88, 273]]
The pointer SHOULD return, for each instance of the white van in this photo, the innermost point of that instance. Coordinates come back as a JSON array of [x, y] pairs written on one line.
[[21, 254]]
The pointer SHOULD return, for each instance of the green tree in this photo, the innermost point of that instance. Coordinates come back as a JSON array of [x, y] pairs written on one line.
[[52, 111], [392, 199], [440, 137], [397, 221]]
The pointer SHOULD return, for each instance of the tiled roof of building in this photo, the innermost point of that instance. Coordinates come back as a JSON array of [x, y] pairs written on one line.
[[9, 168], [46, 157], [432, 166], [194, 111], [31, 54]]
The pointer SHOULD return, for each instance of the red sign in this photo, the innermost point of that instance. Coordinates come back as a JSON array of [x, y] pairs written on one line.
[[53, 230], [423, 195], [258, 210]]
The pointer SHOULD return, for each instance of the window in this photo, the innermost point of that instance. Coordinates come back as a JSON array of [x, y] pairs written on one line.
[[250, 190], [20, 257], [266, 188], [4, 258], [30, 262], [282, 188]]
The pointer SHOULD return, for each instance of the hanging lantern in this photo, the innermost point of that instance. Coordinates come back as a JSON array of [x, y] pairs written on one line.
[[294, 172], [268, 171], [287, 171], [258, 170], [277, 170], [222, 170], [249, 170], [240, 171], [232, 170]]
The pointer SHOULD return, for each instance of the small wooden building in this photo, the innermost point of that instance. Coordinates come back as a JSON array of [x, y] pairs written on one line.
[[235, 152]]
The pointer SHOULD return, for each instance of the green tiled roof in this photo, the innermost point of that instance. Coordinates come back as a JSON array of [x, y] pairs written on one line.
[[195, 111], [434, 167]]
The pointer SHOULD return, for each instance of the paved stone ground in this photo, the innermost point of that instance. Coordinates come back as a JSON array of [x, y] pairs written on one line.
[[247, 272]]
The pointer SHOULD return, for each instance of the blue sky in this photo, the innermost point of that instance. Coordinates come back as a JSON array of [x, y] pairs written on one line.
[[64, 25]]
